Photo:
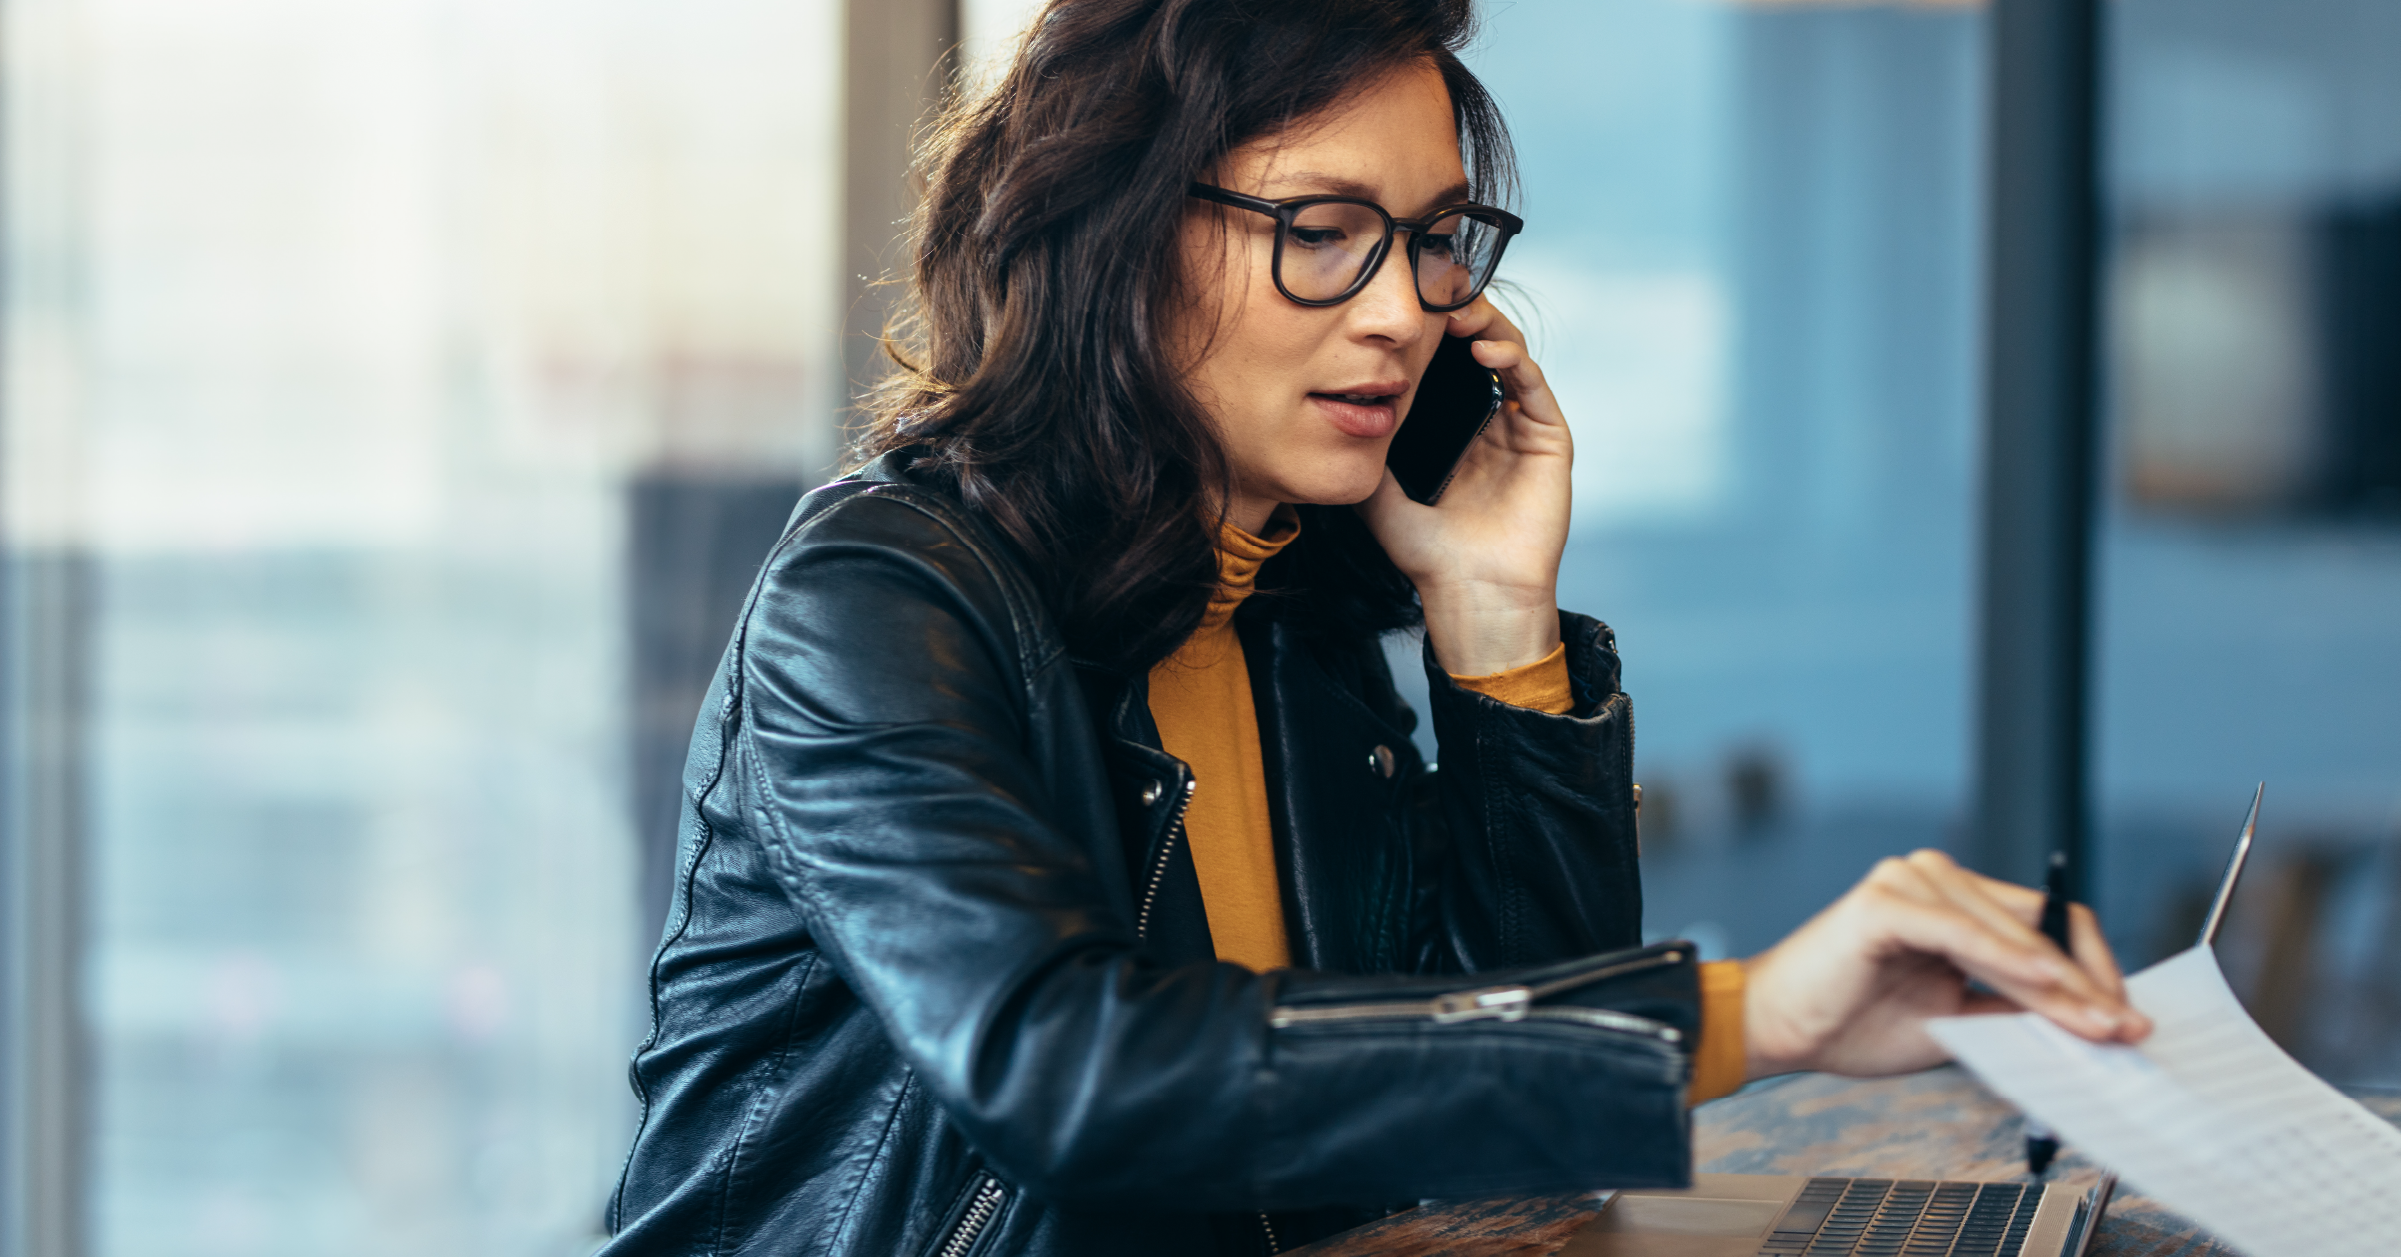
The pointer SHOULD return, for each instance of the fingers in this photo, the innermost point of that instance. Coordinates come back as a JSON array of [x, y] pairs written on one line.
[[1528, 390], [1980, 925], [1850, 991], [1482, 319], [1980, 1004], [1909, 894], [2086, 945], [2092, 950], [2023, 903], [2038, 979], [1500, 346], [1976, 895]]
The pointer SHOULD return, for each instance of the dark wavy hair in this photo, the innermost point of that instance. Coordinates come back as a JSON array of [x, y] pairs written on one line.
[[1037, 374]]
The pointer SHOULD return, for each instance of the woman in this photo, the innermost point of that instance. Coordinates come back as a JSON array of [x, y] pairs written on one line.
[[1057, 876]]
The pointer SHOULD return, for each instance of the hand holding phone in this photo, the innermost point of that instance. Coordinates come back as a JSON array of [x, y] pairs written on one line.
[[1455, 399], [1485, 561]]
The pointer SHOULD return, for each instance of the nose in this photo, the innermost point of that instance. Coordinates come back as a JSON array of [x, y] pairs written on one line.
[[1388, 309]]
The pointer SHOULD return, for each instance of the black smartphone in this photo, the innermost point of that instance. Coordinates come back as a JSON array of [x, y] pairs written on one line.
[[1454, 401]]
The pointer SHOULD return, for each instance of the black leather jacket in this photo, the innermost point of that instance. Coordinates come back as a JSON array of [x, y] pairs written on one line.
[[937, 978]]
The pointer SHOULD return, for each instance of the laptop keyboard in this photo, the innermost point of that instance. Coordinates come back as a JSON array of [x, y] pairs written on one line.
[[1883, 1217]]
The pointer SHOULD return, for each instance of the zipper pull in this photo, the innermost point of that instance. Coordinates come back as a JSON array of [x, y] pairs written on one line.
[[1498, 1003]]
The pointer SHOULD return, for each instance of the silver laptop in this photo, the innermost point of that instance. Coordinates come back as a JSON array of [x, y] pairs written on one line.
[[1764, 1215]]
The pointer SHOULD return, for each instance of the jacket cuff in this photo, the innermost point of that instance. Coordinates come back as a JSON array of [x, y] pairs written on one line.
[[1588, 649], [1539, 686]]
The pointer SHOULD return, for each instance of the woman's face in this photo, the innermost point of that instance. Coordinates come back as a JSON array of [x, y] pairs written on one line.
[[1307, 398]]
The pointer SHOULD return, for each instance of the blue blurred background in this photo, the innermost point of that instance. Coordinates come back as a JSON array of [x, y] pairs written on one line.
[[397, 395], [1754, 265]]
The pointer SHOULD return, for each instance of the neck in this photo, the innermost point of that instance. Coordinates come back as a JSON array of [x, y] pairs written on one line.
[[1250, 513]]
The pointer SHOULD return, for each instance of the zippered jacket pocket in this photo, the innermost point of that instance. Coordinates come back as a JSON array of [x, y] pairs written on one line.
[[1639, 993], [1565, 1077]]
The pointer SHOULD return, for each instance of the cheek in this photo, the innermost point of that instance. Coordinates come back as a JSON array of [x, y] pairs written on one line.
[[1255, 370], [1261, 329], [1224, 338], [1271, 352]]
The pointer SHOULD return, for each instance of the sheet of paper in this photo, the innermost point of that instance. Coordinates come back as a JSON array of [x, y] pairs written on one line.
[[2208, 1116]]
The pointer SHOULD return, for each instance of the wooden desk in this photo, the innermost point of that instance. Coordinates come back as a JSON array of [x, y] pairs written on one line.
[[1938, 1124]]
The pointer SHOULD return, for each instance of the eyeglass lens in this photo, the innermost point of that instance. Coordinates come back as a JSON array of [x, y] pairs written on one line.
[[1331, 243]]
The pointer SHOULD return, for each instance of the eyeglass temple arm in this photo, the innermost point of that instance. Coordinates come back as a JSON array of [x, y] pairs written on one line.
[[1235, 199]]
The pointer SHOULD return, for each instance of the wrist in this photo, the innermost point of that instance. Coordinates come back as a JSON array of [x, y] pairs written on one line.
[[1478, 631], [1761, 1057]]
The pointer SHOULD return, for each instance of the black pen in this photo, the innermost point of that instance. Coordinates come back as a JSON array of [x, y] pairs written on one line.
[[2041, 1146]]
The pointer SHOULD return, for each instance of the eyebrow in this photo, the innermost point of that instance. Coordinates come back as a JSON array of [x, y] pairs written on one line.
[[1318, 181]]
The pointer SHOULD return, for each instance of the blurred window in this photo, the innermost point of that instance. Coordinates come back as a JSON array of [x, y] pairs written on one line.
[[2250, 561], [1750, 269], [340, 340], [399, 393]]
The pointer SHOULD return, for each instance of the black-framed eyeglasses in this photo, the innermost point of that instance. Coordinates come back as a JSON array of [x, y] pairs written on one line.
[[1329, 247]]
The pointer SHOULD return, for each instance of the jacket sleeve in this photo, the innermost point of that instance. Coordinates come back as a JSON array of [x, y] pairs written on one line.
[[883, 758], [1528, 854]]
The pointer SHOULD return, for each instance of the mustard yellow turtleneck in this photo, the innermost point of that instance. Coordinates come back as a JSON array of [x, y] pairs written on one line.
[[1200, 697]]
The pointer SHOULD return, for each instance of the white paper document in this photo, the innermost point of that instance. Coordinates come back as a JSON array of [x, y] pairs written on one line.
[[2208, 1117]]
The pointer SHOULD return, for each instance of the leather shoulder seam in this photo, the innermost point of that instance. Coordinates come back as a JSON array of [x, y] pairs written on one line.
[[1038, 645]]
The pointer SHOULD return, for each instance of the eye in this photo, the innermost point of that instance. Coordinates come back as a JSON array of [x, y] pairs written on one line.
[[1334, 227], [1436, 244]]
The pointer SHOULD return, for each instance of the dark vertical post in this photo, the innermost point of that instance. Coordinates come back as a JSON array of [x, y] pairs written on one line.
[[45, 635], [2040, 437], [898, 56], [698, 533], [696, 541], [44, 625]]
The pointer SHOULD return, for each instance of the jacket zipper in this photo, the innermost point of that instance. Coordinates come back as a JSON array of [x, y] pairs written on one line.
[[1637, 791], [1158, 868], [1150, 899], [980, 1209], [1498, 1003]]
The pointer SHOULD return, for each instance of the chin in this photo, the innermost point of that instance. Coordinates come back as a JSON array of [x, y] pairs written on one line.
[[1340, 485]]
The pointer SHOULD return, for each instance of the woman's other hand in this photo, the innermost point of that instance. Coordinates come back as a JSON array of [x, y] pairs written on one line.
[[1850, 992], [1486, 560]]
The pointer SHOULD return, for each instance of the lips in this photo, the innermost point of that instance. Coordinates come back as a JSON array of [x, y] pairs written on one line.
[[1368, 411]]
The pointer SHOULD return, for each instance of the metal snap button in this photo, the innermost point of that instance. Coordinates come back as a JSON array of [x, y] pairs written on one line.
[[1383, 761], [1151, 792]]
